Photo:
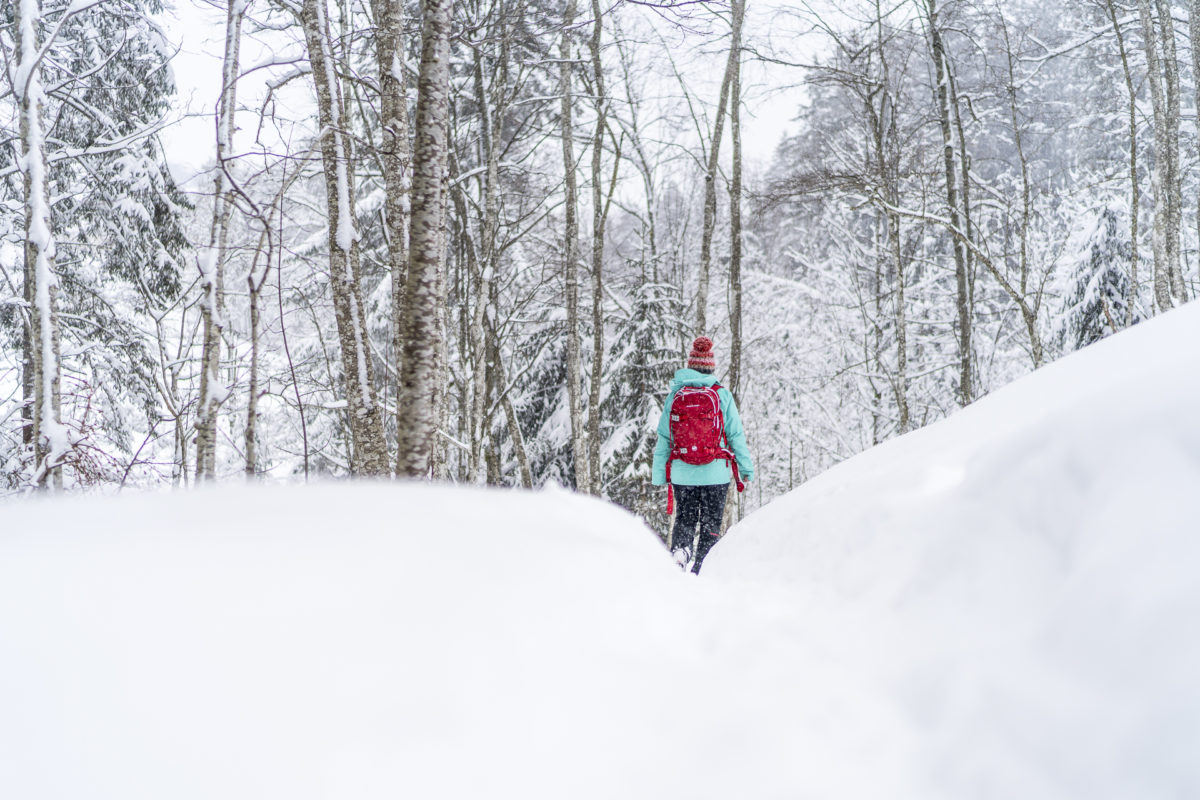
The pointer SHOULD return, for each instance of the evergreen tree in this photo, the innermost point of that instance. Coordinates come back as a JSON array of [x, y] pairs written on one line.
[[640, 366], [117, 217], [1099, 298]]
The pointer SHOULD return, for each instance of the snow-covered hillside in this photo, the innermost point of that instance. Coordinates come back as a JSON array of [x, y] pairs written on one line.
[[999, 606], [1020, 582]]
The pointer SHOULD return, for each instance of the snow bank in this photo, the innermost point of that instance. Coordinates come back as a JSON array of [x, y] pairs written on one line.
[[361, 641], [1020, 583], [1002, 606]]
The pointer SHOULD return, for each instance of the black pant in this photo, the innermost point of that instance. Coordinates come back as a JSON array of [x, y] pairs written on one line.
[[701, 506]]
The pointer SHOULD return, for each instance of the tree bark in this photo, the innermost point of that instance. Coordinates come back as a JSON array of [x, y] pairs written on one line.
[[888, 153], [254, 285], [365, 416], [570, 256], [49, 436], [212, 260], [396, 152], [1035, 340], [941, 93], [598, 232], [482, 269], [710, 197], [1162, 269], [1174, 176], [738, 14], [738, 10], [1134, 190], [510, 413], [1194, 35], [422, 349]]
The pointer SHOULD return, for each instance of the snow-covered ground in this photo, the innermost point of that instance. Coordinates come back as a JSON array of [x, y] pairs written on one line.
[[360, 641], [1001, 605], [1019, 584]]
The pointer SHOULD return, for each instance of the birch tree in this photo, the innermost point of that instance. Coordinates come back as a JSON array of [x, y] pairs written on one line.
[[50, 440], [1134, 186], [570, 256], [952, 153], [887, 153], [396, 157], [365, 413], [1162, 76], [710, 194], [212, 260], [1194, 35], [738, 10], [424, 299], [599, 225]]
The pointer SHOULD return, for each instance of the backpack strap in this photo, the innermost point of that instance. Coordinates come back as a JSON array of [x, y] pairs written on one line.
[[730, 458], [670, 489]]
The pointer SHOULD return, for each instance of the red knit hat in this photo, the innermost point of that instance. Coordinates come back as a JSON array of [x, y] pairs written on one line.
[[701, 356]]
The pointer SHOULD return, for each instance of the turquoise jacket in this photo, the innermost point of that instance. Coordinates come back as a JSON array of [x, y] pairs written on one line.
[[714, 472]]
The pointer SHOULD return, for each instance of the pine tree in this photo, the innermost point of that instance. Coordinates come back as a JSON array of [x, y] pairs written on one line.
[[1099, 299], [643, 359], [117, 220]]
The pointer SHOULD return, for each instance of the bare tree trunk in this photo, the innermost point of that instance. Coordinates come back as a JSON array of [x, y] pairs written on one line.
[[212, 261], [733, 505], [888, 154], [510, 413], [481, 270], [250, 434], [649, 234], [710, 196], [396, 161], [1194, 34], [423, 333], [370, 455], [599, 218], [941, 91], [49, 437], [1135, 200], [439, 461], [254, 284], [571, 257], [1035, 340], [1162, 270], [1174, 176], [28, 383], [735, 201], [492, 94]]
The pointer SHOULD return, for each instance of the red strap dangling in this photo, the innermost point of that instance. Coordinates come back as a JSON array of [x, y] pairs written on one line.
[[670, 489]]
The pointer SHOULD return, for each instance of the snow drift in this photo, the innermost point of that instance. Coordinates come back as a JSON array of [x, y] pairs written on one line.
[[1020, 583], [1001, 605], [359, 641]]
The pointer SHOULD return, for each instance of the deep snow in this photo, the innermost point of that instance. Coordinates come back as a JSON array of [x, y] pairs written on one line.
[[1020, 582], [357, 641], [1001, 605]]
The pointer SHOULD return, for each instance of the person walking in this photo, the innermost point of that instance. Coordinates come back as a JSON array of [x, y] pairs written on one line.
[[701, 448]]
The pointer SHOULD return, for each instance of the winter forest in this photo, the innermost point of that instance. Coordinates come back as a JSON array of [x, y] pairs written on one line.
[[471, 240]]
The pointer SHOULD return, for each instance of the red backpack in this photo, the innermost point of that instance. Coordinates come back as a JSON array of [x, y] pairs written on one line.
[[698, 432]]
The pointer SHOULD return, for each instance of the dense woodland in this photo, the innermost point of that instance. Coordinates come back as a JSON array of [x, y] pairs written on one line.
[[471, 240]]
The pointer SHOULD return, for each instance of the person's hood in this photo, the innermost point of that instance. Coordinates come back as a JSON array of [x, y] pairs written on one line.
[[690, 377]]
